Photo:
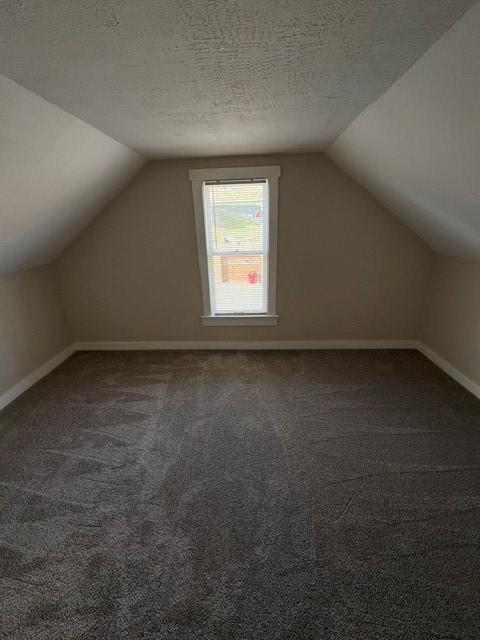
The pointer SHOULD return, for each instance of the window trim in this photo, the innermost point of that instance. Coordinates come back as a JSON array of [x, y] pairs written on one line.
[[197, 178]]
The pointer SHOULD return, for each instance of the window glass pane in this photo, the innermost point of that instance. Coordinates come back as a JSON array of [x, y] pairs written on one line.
[[238, 284], [235, 216]]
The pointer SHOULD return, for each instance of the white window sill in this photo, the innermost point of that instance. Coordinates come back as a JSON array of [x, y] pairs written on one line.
[[240, 320]]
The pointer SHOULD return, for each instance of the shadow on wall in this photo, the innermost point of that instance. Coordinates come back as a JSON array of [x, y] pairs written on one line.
[[347, 268]]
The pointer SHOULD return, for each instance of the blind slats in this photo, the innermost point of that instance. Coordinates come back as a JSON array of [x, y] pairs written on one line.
[[236, 226]]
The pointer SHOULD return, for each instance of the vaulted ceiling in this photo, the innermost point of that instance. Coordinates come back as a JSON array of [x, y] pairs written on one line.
[[56, 174], [418, 147], [217, 77]]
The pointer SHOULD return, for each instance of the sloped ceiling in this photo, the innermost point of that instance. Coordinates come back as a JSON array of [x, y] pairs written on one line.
[[56, 173], [187, 77], [418, 147], [179, 78]]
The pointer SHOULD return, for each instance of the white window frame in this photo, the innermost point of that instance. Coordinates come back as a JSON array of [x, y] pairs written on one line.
[[271, 175]]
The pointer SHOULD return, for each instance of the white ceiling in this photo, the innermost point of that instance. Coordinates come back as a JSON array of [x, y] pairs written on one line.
[[217, 77], [418, 147], [56, 173]]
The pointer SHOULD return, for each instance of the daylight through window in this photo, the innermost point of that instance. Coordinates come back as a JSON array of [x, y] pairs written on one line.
[[236, 224], [236, 218]]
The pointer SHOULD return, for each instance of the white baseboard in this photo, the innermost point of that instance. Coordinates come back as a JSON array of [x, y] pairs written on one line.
[[286, 344], [29, 380], [449, 369], [235, 345], [33, 377]]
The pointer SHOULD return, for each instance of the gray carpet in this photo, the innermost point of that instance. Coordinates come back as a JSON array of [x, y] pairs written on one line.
[[241, 496]]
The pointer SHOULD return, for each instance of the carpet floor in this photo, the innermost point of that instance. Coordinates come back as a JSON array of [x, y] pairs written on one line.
[[241, 496]]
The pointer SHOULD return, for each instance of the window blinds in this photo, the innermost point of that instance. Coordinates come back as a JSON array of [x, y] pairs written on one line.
[[236, 228]]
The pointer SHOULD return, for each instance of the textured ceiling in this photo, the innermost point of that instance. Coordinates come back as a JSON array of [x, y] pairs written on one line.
[[418, 147], [210, 77], [56, 173]]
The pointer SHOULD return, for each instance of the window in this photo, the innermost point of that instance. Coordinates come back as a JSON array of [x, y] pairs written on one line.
[[236, 219]]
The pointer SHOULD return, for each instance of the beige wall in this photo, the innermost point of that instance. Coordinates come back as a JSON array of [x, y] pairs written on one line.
[[452, 327], [348, 269], [32, 325]]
